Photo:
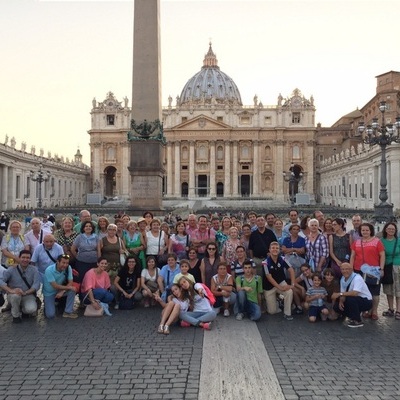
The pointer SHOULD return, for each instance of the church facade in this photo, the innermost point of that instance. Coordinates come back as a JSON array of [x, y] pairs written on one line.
[[216, 146]]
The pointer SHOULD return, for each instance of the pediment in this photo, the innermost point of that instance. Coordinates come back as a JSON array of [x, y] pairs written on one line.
[[201, 122]]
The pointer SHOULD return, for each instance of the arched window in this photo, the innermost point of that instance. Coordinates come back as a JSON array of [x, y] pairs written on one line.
[[268, 152]]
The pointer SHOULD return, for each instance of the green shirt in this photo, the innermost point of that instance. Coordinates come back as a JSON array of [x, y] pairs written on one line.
[[389, 246], [255, 283]]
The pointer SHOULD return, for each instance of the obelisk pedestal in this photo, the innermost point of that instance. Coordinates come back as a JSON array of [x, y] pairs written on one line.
[[146, 135]]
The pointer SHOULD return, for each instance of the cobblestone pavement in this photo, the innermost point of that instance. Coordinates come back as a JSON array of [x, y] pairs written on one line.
[[329, 361], [118, 357], [122, 357]]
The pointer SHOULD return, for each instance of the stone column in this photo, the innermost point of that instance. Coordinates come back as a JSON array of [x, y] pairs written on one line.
[[192, 167], [227, 169], [235, 174], [281, 188], [4, 188], [256, 172], [213, 191], [177, 171], [169, 169], [310, 188]]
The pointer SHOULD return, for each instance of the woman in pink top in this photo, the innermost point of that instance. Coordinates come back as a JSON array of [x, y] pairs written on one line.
[[368, 250], [96, 285]]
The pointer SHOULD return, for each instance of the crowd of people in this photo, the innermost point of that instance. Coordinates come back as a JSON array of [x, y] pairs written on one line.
[[202, 266]]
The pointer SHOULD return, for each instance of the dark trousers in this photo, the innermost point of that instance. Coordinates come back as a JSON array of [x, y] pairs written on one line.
[[353, 306]]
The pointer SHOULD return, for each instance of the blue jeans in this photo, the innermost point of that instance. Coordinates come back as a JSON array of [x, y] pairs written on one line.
[[50, 307], [195, 317], [100, 294], [245, 306]]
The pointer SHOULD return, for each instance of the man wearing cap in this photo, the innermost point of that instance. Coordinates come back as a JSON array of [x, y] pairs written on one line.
[[57, 283], [21, 284]]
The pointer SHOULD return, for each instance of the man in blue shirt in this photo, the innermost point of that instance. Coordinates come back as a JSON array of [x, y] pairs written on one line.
[[57, 283], [167, 275]]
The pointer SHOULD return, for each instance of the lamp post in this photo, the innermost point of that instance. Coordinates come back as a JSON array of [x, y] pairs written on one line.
[[382, 135], [293, 177], [40, 176]]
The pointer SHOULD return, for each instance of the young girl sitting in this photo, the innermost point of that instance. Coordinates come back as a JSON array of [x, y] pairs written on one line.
[[171, 310], [301, 285]]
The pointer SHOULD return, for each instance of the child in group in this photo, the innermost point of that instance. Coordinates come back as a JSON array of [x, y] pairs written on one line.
[[185, 267], [331, 284], [316, 296], [302, 283], [177, 303]]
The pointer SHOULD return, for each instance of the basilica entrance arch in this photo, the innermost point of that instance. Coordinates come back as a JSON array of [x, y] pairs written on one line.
[[110, 181]]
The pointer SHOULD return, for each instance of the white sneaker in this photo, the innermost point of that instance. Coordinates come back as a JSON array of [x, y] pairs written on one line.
[[239, 316], [226, 313], [116, 307]]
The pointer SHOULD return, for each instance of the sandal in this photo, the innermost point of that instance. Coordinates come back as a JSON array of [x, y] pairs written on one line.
[[160, 329], [166, 330], [388, 313], [397, 316], [374, 317]]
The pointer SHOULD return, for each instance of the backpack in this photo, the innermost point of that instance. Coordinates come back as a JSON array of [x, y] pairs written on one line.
[[210, 296]]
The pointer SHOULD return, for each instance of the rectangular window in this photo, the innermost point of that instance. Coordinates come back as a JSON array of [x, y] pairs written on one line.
[[245, 167], [184, 167], [110, 119], [245, 120], [349, 190], [220, 167], [220, 119], [295, 118], [370, 190], [28, 187], [267, 121], [355, 190], [184, 119]]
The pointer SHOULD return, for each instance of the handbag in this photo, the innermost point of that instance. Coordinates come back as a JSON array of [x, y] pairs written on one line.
[[37, 298], [387, 278], [152, 285], [126, 303], [90, 311], [122, 256], [370, 280]]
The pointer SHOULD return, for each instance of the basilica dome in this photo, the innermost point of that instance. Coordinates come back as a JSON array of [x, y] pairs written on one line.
[[210, 85]]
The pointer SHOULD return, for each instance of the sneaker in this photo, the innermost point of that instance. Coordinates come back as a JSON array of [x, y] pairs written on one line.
[[17, 320], [207, 326], [116, 307], [288, 317], [226, 313], [298, 311], [355, 324], [70, 315], [239, 317], [185, 324]]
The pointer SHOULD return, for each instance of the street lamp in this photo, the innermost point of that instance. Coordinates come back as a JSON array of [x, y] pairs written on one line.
[[40, 176], [293, 177], [383, 135]]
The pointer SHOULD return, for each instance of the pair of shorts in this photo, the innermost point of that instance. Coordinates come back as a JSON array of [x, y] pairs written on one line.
[[315, 311]]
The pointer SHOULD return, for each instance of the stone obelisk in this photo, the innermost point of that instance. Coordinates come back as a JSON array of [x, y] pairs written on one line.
[[146, 135]]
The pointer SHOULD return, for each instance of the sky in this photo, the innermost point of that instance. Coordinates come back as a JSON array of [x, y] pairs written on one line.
[[57, 55]]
